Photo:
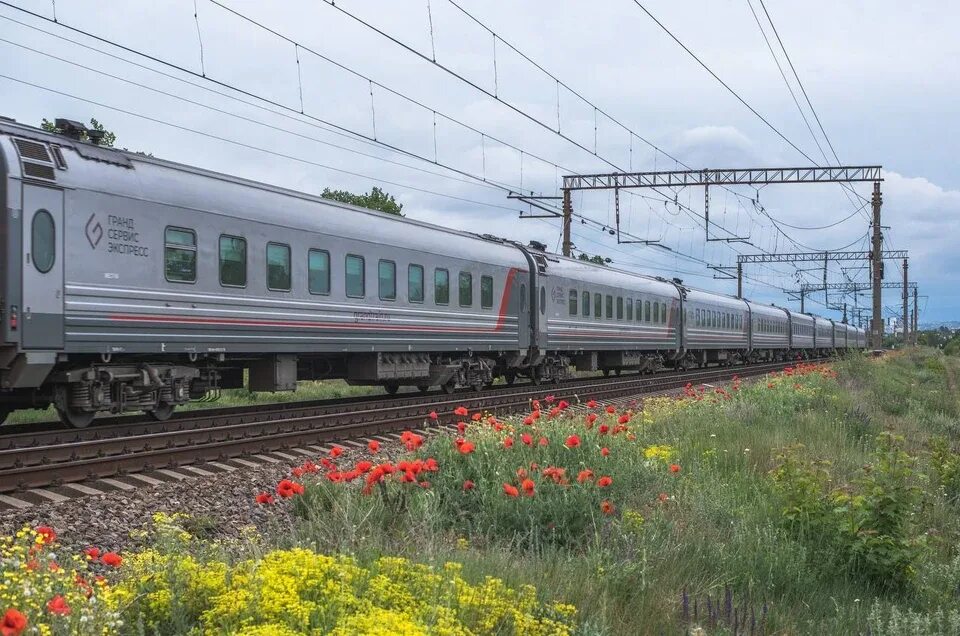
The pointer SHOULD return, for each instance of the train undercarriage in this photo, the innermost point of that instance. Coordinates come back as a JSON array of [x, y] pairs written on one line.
[[157, 387]]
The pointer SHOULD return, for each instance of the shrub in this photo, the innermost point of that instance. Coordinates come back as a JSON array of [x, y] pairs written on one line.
[[945, 464], [865, 527]]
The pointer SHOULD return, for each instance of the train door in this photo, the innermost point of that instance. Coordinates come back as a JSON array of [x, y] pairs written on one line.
[[539, 302], [42, 293]]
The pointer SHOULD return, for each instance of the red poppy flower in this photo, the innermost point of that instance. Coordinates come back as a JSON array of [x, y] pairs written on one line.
[[286, 487], [584, 475], [536, 405], [528, 421], [555, 411], [58, 605], [94, 553], [604, 481], [461, 427], [112, 559], [606, 507], [563, 405], [262, 499], [47, 534], [544, 441], [411, 440], [527, 439], [528, 486], [663, 497], [592, 404], [674, 468], [491, 420], [408, 477], [13, 623], [363, 466], [591, 418], [461, 411], [603, 429], [769, 385], [468, 485], [572, 442], [623, 419], [466, 448], [536, 414], [297, 471], [510, 491], [476, 417], [336, 451], [507, 442], [310, 467], [424, 484], [611, 410], [433, 415], [521, 473], [373, 446], [497, 426], [604, 451], [549, 399], [431, 465]]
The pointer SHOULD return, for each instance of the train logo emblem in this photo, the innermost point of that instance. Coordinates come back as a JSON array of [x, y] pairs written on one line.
[[94, 231]]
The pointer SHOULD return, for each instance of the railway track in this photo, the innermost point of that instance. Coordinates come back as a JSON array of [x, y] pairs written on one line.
[[117, 446]]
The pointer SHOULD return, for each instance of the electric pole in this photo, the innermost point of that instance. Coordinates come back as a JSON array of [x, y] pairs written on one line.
[[567, 218], [877, 260], [906, 304]]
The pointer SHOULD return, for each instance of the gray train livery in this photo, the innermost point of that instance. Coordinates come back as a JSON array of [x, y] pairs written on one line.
[[135, 284]]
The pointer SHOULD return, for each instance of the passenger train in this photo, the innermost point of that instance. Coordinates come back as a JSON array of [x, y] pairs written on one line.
[[136, 284]]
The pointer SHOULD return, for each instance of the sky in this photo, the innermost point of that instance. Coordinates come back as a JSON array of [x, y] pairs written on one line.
[[420, 98]]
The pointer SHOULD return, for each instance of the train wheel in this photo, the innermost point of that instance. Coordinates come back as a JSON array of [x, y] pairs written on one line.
[[391, 388], [449, 387], [510, 378], [606, 373], [75, 419], [423, 388], [163, 411]]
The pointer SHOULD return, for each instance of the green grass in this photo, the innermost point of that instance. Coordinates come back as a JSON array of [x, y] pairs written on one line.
[[723, 526], [306, 391]]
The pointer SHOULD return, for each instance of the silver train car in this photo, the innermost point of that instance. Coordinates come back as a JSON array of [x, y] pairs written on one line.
[[137, 284]]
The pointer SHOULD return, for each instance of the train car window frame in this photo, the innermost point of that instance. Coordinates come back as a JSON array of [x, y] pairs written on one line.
[[630, 309], [221, 261], [585, 304], [315, 273], [598, 306], [438, 286], [45, 245], [289, 266], [608, 305], [388, 267], [572, 299], [486, 292], [646, 311], [354, 258], [412, 283], [619, 307], [171, 247], [465, 291]]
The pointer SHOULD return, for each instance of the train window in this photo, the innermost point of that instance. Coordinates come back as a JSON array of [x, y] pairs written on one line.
[[619, 307], [663, 313], [441, 287], [355, 276], [543, 300], [585, 301], [609, 305], [278, 266], [629, 308], [466, 289], [180, 255], [573, 302], [639, 310], [387, 280], [646, 311], [233, 261], [318, 272], [597, 306], [415, 283], [43, 241], [486, 292], [696, 317]]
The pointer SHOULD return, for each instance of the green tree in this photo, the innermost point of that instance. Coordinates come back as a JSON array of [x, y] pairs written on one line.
[[376, 199], [597, 259], [109, 138]]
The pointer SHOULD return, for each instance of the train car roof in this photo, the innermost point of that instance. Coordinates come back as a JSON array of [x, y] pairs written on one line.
[[767, 310], [604, 275], [140, 177]]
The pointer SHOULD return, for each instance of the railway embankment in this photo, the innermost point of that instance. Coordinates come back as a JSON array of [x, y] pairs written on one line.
[[823, 498]]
